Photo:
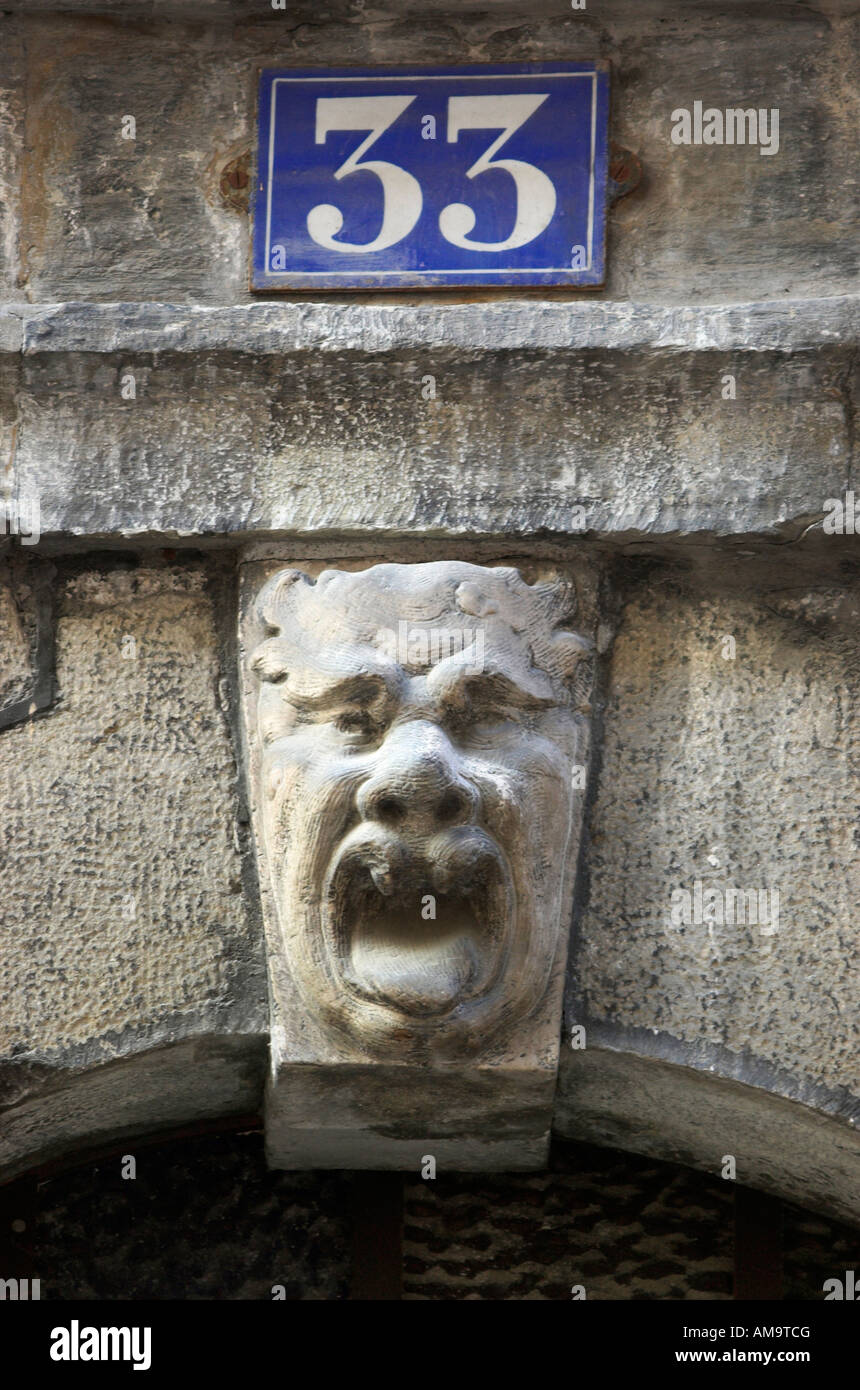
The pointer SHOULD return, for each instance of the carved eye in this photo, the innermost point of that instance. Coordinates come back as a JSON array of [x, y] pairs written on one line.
[[480, 710], [356, 724], [481, 728]]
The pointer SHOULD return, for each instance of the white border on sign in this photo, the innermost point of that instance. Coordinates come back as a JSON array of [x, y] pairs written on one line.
[[434, 77]]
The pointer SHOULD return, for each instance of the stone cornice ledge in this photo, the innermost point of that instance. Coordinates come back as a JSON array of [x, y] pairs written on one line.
[[267, 327]]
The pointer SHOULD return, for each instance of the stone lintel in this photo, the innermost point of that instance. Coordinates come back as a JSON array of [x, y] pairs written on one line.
[[393, 324]]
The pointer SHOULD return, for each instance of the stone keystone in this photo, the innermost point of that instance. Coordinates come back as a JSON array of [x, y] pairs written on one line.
[[413, 735]]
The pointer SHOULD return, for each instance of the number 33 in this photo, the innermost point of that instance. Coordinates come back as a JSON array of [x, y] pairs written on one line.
[[403, 200]]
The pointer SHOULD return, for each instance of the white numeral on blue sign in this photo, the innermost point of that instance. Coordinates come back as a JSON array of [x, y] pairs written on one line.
[[535, 192], [402, 197]]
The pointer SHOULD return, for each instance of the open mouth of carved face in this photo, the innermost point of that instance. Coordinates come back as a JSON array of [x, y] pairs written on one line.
[[419, 932]]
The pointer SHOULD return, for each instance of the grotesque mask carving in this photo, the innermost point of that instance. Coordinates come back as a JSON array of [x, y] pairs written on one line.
[[417, 731]]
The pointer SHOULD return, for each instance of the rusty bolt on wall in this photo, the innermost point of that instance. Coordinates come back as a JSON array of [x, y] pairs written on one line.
[[625, 171], [235, 182]]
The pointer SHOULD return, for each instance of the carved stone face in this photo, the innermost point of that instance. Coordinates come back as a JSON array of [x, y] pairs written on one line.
[[417, 731]]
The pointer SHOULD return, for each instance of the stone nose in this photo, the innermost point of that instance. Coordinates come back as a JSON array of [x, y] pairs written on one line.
[[417, 781]]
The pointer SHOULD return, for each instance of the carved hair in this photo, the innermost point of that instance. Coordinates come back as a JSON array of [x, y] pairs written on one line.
[[353, 605]]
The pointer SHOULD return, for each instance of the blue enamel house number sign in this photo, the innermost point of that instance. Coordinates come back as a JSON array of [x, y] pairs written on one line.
[[415, 178]]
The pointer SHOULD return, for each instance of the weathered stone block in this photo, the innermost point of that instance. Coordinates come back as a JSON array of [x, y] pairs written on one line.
[[718, 941], [130, 972], [513, 443], [92, 215]]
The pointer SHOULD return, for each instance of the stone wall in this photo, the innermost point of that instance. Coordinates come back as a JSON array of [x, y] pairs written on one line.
[[591, 430], [90, 216], [131, 959]]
